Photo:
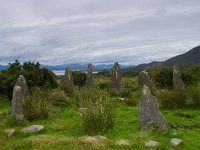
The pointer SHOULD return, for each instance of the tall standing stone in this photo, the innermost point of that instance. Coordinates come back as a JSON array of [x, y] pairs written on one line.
[[177, 79], [19, 92], [143, 79], [17, 107], [89, 80], [68, 78], [21, 81], [115, 79], [149, 115]]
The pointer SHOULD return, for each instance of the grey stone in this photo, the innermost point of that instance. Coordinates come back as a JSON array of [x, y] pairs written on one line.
[[89, 80], [143, 79], [100, 138], [10, 132], [122, 142], [68, 78], [149, 115], [115, 79], [33, 128], [177, 79], [152, 143], [93, 139], [17, 103], [21, 81], [175, 141]]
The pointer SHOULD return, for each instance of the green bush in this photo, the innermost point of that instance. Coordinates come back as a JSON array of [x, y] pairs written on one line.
[[68, 91], [172, 99], [59, 98], [97, 111], [194, 94], [103, 86], [79, 78], [164, 78], [130, 102], [37, 104], [35, 76]]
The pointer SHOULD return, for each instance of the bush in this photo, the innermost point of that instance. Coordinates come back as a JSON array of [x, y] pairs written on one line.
[[59, 98], [130, 102], [103, 86], [97, 111], [79, 78], [68, 91], [35, 76], [164, 78], [37, 104], [172, 99], [194, 94]]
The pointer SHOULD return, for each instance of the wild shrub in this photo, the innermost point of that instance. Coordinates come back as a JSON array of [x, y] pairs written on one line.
[[194, 94], [172, 99], [130, 102], [103, 86], [37, 104], [97, 111], [59, 98], [34, 74], [68, 91], [164, 78], [79, 78]]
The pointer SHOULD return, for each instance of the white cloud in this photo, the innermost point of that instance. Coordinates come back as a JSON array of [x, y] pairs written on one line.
[[100, 31]]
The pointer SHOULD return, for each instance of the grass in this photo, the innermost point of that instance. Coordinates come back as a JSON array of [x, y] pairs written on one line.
[[63, 130]]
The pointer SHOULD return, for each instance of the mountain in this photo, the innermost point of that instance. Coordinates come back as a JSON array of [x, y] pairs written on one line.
[[83, 67], [188, 59], [3, 67]]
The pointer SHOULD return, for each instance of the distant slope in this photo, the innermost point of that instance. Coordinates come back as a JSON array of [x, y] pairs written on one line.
[[188, 59]]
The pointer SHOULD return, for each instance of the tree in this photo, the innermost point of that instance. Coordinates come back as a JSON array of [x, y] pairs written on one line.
[[34, 74], [79, 78]]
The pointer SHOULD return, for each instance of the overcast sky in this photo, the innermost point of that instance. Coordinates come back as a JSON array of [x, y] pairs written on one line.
[[97, 31]]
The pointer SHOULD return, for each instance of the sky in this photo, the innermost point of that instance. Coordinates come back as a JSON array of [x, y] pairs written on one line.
[[97, 31]]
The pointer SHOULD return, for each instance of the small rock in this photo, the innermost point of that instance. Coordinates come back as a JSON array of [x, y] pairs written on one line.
[[122, 142], [92, 139], [10, 132], [100, 138], [33, 128], [151, 143], [175, 142], [122, 99]]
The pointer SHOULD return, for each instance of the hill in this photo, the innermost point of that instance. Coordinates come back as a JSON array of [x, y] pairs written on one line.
[[188, 59]]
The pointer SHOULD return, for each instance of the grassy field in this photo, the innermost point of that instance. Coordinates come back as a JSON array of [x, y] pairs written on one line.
[[63, 130]]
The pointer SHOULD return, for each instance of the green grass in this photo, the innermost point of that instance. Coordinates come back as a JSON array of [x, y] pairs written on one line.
[[63, 130]]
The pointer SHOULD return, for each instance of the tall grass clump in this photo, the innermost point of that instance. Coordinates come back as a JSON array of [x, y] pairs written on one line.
[[37, 104], [172, 99], [194, 94], [97, 111], [59, 98]]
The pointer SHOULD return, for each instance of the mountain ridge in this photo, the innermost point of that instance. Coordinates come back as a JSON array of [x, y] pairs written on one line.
[[188, 59]]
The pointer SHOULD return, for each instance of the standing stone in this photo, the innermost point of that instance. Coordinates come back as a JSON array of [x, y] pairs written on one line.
[[177, 79], [115, 79], [89, 80], [17, 107], [143, 79], [19, 92], [21, 81], [149, 115], [68, 78]]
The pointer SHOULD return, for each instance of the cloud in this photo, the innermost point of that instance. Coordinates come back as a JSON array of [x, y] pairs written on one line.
[[100, 31]]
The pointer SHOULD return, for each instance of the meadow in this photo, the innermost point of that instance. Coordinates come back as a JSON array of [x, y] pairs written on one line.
[[64, 128]]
